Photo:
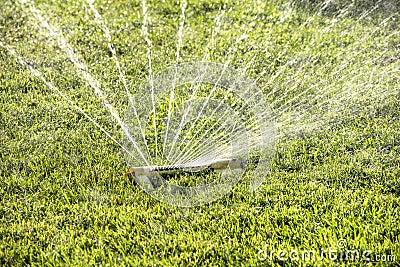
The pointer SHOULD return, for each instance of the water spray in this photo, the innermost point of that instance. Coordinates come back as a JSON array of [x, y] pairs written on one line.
[[216, 128]]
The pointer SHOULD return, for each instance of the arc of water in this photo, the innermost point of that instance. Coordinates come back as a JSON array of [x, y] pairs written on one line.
[[172, 156], [344, 94], [192, 125], [82, 67], [145, 34], [38, 74], [184, 116], [303, 66], [107, 35], [190, 149], [227, 141], [293, 87], [342, 13], [224, 151], [194, 148], [177, 56], [176, 136], [175, 155], [342, 78], [221, 117], [270, 81], [205, 57], [321, 96], [209, 152], [213, 112]]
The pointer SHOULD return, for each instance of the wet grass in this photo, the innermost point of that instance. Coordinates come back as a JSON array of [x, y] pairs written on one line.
[[65, 199]]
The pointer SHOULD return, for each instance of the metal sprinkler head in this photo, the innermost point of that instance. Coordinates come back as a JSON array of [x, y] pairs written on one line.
[[144, 174], [216, 166]]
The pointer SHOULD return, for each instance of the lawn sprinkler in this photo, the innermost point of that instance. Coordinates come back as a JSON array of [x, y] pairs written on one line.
[[216, 166], [145, 174]]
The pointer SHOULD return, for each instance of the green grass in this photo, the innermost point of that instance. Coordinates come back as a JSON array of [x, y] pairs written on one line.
[[65, 199]]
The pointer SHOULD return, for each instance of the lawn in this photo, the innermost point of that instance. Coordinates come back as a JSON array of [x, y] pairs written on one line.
[[333, 188]]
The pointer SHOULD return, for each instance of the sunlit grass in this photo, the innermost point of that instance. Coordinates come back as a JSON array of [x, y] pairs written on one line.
[[64, 196]]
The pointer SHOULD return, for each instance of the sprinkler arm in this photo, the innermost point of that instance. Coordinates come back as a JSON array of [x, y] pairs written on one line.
[[216, 166]]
